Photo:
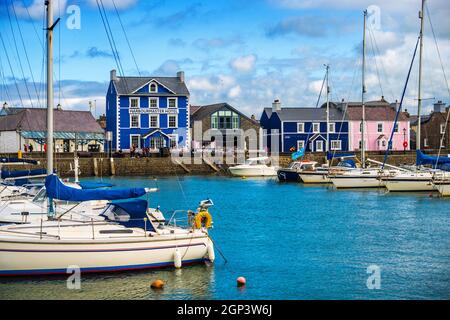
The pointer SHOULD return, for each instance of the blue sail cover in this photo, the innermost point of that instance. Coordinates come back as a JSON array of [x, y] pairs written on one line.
[[331, 155], [22, 173], [422, 159], [56, 189], [94, 185]]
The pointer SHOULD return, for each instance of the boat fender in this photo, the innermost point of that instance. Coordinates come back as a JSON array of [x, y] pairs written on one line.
[[202, 219], [211, 254], [177, 259]]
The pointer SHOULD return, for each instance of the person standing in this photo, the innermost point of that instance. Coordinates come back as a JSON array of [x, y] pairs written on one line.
[[30, 148]]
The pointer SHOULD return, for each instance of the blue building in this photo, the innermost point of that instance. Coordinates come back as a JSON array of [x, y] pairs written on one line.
[[151, 112], [305, 127]]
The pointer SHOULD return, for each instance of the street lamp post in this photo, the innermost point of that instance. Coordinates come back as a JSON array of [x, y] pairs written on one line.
[[404, 140]]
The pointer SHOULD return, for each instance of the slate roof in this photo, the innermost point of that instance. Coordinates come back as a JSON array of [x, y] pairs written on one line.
[[127, 85], [309, 114], [35, 119]]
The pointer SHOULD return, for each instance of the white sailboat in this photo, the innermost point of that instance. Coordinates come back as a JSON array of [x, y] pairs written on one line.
[[126, 235], [421, 178], [360, 177]]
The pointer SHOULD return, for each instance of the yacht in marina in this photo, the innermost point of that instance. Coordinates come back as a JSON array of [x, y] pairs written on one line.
[[294, 169], [254, 167], [126, 234]]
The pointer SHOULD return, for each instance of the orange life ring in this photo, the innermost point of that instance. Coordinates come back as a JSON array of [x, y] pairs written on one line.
[[202, 219]]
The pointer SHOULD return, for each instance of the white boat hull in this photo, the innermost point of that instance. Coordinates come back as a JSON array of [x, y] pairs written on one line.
[[443, 188], [314, 177], [417, 185], [55, 256], [356, 181], [253, 171]]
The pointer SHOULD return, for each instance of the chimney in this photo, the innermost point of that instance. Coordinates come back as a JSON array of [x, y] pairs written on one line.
[[113, 75], [180, 76], [276, 105], [395, 105], [439, 106], [253, 117]]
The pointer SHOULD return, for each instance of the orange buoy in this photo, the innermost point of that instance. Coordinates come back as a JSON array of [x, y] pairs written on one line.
[[157, 284], [241, 281]]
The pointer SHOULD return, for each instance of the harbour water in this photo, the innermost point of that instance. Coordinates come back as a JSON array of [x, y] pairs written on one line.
[[290, 241]]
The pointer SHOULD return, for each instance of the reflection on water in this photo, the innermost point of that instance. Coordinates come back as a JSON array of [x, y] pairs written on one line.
[[190, 282], [289, 240]]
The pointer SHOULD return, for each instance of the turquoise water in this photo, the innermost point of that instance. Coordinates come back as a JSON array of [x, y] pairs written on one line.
[[290, 241]]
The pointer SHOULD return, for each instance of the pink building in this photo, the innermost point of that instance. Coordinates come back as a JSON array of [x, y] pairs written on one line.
[[380, 116]]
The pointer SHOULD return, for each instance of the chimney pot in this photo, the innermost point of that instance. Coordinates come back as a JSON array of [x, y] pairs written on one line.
[[180, 76], [113, 75], [276, 105]]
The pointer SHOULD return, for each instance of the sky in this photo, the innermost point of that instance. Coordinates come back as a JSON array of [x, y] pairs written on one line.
[[246, 53]]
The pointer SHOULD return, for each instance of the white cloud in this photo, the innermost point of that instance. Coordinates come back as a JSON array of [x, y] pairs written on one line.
[[244, 63], [120, 4], [235, 92], [36, 9]]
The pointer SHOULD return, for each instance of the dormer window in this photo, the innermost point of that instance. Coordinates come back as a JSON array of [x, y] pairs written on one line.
[[153, 87]]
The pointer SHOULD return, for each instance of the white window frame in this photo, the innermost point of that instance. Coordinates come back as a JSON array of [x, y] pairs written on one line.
[[150, 102], [138, 102], [139, 140], [339, 142], [168, 121], [331, 125], [176, 103], [131, 120], [150, 87], [319, 142], [378, 127], [300, 144], [318, 125], [150, 120], [302, 124], [173, 136], [425, 142]]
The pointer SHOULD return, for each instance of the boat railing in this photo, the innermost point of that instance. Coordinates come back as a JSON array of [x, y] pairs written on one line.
[[181, 218]]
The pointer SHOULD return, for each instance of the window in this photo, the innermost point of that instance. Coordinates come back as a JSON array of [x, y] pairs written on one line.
[[379, 127], [360, 145], [316, 127], [300, 127], [425, 142], [336, 144], [172, 103], [442, 128], [319, 146], [154, 121], [153, 87], [135, 121], [396, 127], [153, 102], [135, 140], [173, 121], [360, 127], [383, 143], [332, 127], [173, 141], [300, 144], [225, 120], [134, 102], [157, 142]]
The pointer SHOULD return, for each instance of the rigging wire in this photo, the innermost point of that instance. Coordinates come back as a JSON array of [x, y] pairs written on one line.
[[376, 63], [18, 55], [126, 37], [26, 54], [110, 36], [445, 78], [11, 69], [321, 89]]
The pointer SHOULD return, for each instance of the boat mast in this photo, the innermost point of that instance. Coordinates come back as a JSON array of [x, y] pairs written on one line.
[[363, 91], [328, 110], [48, 3], [419, 94]]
